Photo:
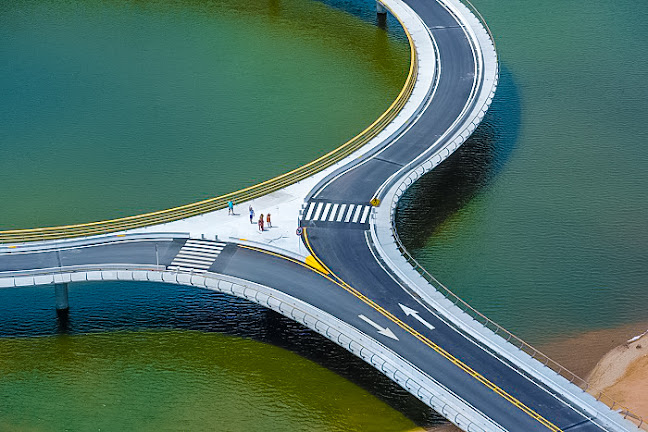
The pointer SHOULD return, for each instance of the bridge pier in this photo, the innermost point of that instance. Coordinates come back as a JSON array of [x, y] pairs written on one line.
[[62, 305], [381, 15]]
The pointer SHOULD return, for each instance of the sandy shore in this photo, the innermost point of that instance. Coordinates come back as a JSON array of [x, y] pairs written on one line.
[[608, 359], [614, 361], [622, 375]]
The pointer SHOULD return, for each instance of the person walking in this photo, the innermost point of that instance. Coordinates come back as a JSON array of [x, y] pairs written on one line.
[[261, 223], [251, 214], [230, 207], [268, 221]]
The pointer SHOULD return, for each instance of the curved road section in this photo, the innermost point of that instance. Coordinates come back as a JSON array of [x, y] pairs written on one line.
[[352, 288], [508, 395]]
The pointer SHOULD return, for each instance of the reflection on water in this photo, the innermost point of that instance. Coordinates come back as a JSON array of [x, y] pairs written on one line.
[[178, 321], [549, 240], [437, 196]]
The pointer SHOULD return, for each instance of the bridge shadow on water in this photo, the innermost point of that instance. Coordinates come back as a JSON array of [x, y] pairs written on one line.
[[131, 306], [466, 173]]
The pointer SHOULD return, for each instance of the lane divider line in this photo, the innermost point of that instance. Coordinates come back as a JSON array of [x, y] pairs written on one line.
[[461, 365]]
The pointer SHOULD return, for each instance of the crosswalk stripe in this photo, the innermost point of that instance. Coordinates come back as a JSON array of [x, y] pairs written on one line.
[[201, 251], [332, 216], [195, 258], [325, 212], [209, 259], [337, 212], [190, 263], [365, 213], [356, 215], [318, 211], [341, 213], [349, 213], [203, 246], [311, 207]]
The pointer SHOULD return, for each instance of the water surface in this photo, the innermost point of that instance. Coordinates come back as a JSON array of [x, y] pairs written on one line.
[[151, 356], [540, 220], [114, 108]]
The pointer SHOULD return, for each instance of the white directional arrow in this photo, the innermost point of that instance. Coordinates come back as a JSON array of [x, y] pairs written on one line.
[[415, 314], [383, 331]]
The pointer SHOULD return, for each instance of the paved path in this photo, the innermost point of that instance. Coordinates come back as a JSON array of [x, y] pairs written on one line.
[[367, 299]]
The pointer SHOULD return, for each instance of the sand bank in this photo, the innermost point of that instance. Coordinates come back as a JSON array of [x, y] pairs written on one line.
[[622, 374], [608, 360], [614, 361]]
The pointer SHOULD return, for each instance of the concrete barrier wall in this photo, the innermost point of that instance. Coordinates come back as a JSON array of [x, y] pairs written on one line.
[[385, 244], [368, 349]]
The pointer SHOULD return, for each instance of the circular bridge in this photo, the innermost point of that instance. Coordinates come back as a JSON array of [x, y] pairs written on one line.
[[348, 278]]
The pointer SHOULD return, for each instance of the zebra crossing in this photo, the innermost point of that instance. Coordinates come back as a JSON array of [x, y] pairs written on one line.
[[347, 213], [196, 256]]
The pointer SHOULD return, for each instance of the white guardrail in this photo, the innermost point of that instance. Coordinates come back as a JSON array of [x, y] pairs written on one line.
[[391, 250], [371, 351]]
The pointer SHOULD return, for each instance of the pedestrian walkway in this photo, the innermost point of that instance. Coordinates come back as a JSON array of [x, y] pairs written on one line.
[[337, 213], [196, 256]]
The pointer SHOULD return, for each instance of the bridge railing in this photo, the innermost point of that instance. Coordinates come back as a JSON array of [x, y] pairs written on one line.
[[508, 336], [220, 202], [481, 18]]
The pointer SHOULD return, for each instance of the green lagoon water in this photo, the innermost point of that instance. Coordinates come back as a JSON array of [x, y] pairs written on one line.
[[114, 108], [177, 380], [541, 219]]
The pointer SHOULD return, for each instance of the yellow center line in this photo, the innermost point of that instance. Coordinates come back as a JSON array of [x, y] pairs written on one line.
[[470, 371]]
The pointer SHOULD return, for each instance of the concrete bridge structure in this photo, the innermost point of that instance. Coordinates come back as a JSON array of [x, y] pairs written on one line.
[[347, 275]]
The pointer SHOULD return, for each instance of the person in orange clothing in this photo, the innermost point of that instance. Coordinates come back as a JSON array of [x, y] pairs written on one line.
[[268, 221]]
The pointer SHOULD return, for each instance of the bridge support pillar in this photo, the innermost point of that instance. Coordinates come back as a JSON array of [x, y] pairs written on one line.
[[381, 14], [62, 305]]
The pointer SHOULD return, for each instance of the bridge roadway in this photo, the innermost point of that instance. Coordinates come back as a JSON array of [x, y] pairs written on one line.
[[428, 342], [514, 401], [347, 280]]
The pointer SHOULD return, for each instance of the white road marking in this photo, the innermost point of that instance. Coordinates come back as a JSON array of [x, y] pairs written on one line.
[[365, 213], [357, 213], [318, 211], [415, 314], [311, 207], [325, 212], [349, 213], [196, 256], [385, 331], [186, 251], [333, 212], [341, 214], [337, 212]]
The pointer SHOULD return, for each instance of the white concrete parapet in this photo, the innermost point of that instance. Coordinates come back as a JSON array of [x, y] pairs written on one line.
[[421, 385], [382, 223]]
